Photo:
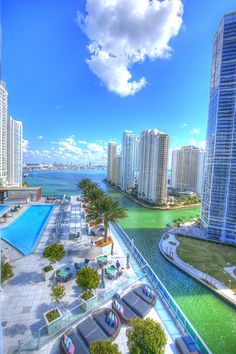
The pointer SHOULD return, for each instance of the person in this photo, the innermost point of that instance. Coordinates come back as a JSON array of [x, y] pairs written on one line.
[[117, 264]]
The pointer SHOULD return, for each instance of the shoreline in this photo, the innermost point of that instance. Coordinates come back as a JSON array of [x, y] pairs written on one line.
[[148, 206], [185, 269]]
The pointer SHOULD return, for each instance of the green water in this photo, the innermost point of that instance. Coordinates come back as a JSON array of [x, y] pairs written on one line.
[[213, 318]]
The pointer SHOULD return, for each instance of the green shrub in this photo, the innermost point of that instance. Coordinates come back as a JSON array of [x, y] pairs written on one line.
[[104, 347], [54, 252], [58, 292], [87, 279], [146, 337], [6, 272], [52, 315]]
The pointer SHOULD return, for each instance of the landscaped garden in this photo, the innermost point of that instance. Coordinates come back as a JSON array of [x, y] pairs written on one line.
[[208, 257]]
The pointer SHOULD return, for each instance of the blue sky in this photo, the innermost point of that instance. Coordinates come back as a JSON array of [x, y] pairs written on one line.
[[71, 108]]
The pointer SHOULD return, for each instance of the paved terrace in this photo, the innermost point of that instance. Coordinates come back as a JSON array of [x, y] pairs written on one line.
[[27, 296]]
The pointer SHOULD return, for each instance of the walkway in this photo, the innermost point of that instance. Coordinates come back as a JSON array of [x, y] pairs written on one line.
[[168, 247]]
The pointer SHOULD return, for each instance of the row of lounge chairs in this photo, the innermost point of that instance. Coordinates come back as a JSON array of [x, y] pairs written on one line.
[[98, 326]]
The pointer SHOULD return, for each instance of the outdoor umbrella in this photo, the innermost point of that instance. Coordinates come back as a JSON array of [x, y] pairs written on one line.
[[90, 252]]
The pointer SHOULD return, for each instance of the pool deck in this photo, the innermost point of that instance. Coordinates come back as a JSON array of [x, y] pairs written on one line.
[[26, 296]]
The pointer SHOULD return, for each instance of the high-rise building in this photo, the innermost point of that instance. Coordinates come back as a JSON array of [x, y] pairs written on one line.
[[116, 171], [187, 169], [152, 185], [10, 144], [218, 213], [14, 153], [112, 151], [3, 133], [130, 160]]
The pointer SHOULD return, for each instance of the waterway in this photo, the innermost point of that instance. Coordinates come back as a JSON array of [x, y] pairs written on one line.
[[212, 317]]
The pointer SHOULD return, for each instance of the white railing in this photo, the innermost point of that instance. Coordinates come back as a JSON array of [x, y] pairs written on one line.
[[173, 307]]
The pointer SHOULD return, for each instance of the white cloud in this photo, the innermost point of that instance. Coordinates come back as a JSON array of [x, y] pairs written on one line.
[[184, 125], [195, 131], [122, 33], [25, 145], [68, 149], [40, 137], [193, 142]]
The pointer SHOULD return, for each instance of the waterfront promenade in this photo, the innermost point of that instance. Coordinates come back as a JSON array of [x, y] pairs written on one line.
[[168, 247]]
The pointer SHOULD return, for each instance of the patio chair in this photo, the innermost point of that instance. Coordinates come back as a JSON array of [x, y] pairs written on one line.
[[124, 312], [79, 346], [90, 331], [137, 305], [186, 345], [102, 317], [146, 293]]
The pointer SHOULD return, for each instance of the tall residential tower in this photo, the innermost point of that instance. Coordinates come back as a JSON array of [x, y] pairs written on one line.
[[152, 185], [187, 169], [130, 160], [218, 214], [3, 133], [10, 144], [112, 150]]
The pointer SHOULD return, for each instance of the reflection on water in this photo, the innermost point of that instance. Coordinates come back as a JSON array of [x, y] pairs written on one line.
[[213, 318]]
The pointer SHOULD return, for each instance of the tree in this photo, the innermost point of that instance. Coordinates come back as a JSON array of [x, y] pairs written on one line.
[[58, 292], [54, 252], [105, 209], [87, 279], [6, 272], [146, 337], [104, 347]]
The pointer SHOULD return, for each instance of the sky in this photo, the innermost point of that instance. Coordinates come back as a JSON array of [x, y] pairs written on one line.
[[80, 72]]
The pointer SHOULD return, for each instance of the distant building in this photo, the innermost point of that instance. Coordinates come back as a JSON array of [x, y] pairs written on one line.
[[152, 185], [218, 213], [10, 144], [116, 171], [187, 169], [14, 153], [112, 151], [130, 160], [3, 133]]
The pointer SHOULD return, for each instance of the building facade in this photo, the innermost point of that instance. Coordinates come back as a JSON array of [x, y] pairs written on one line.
[[3, 133], [187, 169], [218, 213], [112, 151], [14, 153], [10, 144], [116, 171], [152, 184], [130, 160]]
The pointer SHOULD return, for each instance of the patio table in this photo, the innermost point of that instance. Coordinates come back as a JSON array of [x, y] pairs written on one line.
[[111, 271], [63, 273], [102, 259]]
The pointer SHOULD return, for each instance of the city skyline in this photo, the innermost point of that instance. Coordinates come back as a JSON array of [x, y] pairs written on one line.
[[62, 86]]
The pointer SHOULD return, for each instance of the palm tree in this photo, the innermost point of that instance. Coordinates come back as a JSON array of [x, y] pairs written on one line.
[[94, 194], [105, 209], [84, 184]]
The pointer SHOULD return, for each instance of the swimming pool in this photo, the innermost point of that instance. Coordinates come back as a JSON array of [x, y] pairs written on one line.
[[25, 231]]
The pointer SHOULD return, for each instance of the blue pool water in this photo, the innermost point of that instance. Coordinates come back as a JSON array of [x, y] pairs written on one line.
[[24, 232]]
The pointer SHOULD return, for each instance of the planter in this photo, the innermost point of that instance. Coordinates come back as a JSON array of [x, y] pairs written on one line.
[[48, 272], [89, 304], [52, 320], [105, 247]]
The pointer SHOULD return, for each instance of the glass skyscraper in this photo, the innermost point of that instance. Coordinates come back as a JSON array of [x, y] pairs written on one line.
[[218, 214]]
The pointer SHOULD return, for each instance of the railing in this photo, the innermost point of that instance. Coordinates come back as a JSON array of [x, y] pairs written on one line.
[[40, 337], [173, 307]]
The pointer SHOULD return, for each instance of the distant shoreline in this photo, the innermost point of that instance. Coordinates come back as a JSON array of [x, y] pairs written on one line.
[[148, 206]]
